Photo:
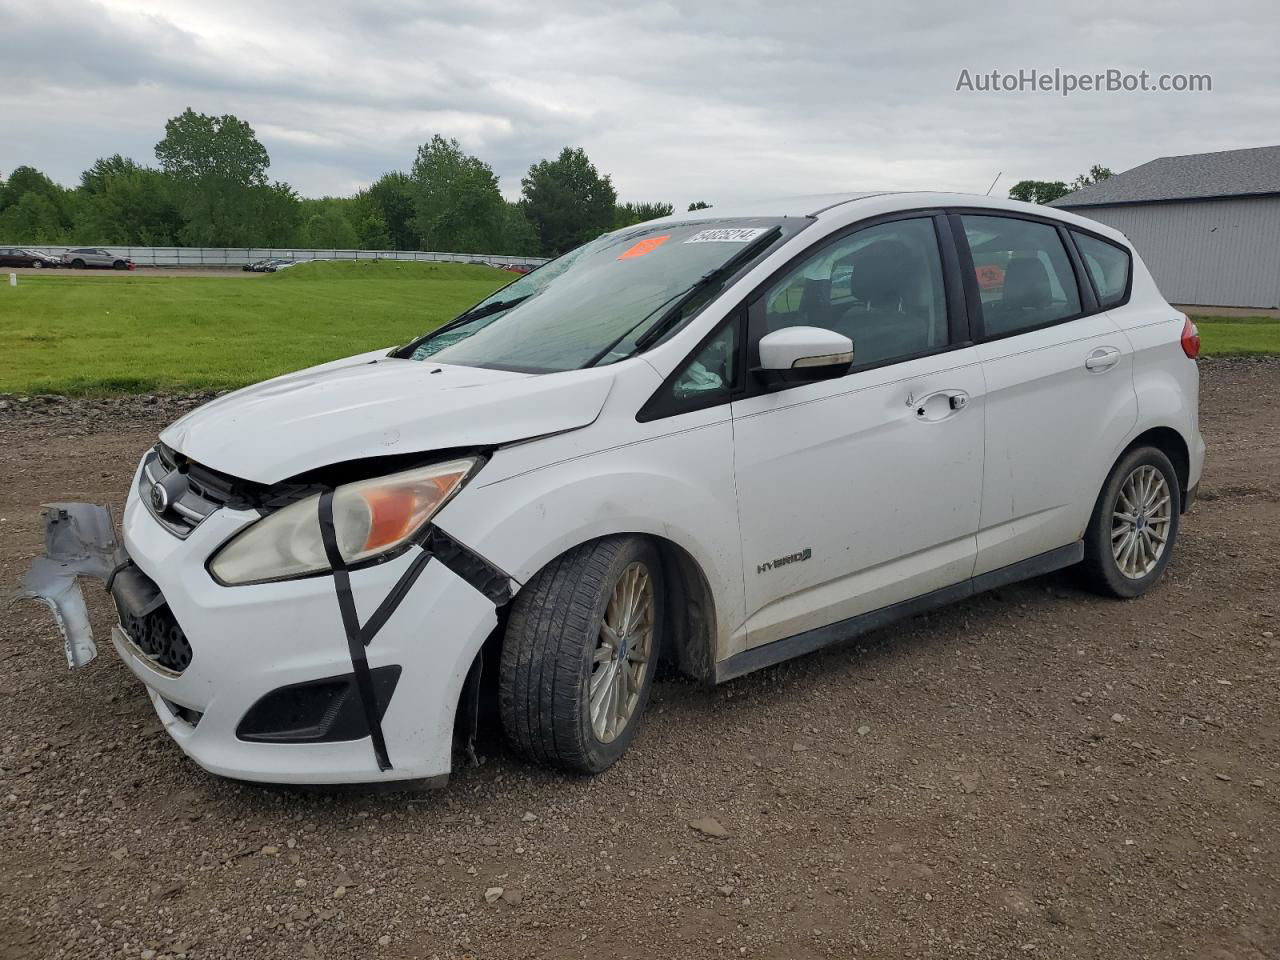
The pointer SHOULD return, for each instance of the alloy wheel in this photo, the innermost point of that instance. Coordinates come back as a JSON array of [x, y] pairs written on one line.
[[1140, 522], [623, 648]]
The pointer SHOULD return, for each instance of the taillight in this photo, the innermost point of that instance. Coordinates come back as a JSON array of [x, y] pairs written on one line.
[[1190, 339]]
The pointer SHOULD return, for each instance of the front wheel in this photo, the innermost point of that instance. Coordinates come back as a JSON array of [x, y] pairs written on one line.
[[37, 264], [119, 265], [1134, 525], [580, 652]]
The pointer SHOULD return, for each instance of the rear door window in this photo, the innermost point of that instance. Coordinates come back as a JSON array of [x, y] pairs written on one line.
[[1024, 274]]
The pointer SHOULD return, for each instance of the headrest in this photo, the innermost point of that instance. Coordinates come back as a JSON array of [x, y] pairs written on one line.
[[884, 273], [1026, 283]]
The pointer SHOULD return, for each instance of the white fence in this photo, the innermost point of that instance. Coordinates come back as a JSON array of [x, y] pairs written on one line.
[[239, 256]]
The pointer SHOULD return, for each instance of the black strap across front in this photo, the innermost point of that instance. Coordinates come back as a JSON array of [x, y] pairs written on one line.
[[356, 640], [471, 567]]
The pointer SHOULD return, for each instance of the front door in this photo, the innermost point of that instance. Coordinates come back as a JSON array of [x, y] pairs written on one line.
[[859, 492]]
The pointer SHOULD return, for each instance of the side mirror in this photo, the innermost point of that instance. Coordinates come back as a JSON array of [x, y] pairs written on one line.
[[803, 355]]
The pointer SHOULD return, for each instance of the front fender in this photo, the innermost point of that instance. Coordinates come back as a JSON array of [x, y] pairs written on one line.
[[678, 487]]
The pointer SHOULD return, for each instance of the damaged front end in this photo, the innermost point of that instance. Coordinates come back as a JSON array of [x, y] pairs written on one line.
[[286, 680], [79, 541]]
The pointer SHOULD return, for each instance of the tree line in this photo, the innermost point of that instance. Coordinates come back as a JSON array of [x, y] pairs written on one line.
[[1046, 191], [211, 189]]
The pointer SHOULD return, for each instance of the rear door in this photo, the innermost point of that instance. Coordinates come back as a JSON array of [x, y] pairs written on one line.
[[1059, 383], [859, 492]]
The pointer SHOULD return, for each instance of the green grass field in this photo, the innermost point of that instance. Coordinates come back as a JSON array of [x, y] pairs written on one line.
[[106, 333], [1238, 336], [95, 333]]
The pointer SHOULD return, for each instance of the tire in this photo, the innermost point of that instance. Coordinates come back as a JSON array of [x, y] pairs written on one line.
[[1135, 570], [78, 264], [37, 264], [119, 265], [554, 635]]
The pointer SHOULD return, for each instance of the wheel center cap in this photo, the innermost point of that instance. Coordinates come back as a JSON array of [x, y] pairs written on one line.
[[1141, 522], [623, 640]]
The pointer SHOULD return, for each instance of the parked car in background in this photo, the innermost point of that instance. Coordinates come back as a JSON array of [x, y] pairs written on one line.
[[82, 257], [19, 257], [263, 266], [721, 439]]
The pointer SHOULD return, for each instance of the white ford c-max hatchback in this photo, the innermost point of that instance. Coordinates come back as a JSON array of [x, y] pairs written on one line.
[[723, 438]]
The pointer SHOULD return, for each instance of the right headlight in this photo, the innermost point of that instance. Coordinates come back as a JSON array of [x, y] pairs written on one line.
[[370, 517]]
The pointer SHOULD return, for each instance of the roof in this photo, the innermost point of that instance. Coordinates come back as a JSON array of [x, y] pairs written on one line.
[[1196, 176], [799, 206]]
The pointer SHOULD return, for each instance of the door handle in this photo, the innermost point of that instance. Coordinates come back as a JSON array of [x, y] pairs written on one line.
[[1102, 359], [939, 405]]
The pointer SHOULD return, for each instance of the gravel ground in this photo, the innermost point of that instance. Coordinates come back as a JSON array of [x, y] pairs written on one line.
[[1036, 772]]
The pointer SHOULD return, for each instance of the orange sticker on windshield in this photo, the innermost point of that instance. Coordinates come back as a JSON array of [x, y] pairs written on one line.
[[645, 246]]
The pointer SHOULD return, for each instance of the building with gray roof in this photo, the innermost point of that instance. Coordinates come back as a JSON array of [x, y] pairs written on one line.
[[1206, 224]]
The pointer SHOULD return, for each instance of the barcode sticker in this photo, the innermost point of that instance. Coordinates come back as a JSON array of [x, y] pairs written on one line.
[[726, 235]]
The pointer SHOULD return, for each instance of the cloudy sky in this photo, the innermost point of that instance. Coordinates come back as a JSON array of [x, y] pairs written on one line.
[[711, 100]]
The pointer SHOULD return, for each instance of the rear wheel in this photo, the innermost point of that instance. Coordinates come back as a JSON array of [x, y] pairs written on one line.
[[579, 654], [1134, 525], [78, 264]]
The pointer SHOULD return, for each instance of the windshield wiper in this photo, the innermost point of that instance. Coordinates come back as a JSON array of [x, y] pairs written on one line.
[[659, 329], [475, 313], [488, 310]]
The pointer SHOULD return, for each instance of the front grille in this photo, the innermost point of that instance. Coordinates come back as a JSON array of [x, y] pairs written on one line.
[[182, 494], [146, 619]]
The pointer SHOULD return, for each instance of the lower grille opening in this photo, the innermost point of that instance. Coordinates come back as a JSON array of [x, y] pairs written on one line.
[[158, 636], [317, 711], [147, 620]]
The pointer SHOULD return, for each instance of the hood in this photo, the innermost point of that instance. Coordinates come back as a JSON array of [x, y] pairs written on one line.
[[372, 406]]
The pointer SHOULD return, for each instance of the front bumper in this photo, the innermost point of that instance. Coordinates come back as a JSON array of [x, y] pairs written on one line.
[[248, 641]]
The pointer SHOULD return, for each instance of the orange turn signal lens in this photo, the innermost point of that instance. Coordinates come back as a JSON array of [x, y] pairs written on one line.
[[391, 514], [378, 515]]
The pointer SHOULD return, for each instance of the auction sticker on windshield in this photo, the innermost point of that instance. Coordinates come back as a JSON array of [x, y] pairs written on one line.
[[644, 246], [727, 235]]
